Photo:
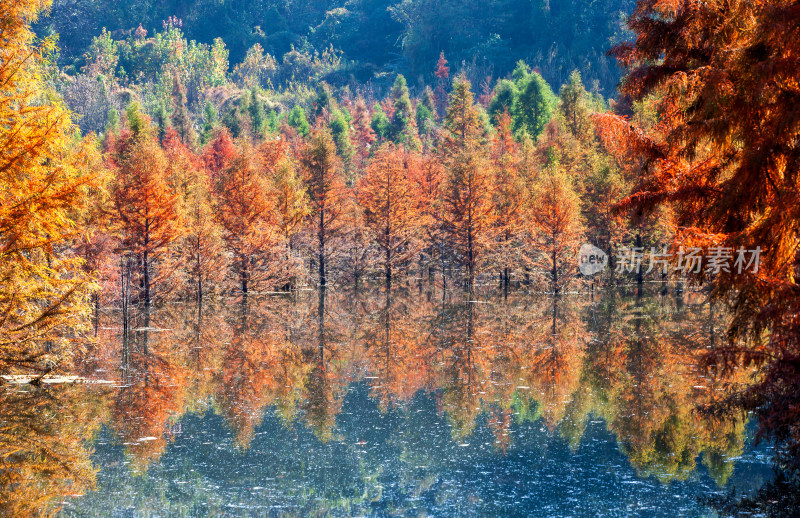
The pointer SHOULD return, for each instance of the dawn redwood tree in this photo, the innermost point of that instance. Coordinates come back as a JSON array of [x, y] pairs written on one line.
[[180, 118], [201, 251], [291, 199], [387, 195], [403, 110], [508, 197], [327, 193], [363, 135], [45, 177], [144, 208], [574, 106], [219, 153], [290, 207], [468, 211], [403, 125], [244, 209], [726, 158], [429, 177], [555, 224]]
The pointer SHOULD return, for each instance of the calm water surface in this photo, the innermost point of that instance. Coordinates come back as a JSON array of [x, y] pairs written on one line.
[[410, 404]]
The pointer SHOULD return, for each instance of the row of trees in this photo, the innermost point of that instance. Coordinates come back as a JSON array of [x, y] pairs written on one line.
[[345, 202]]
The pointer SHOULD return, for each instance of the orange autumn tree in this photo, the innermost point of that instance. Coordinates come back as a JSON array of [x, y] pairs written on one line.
[[556, 226], [44, 179], [290, 207], [363, 135], [242, 207], [202, 247], [508, 197], [386, 193], [327, 193], [144, 209], [429, 179], [291, 199], [726, 158], [468, 211]]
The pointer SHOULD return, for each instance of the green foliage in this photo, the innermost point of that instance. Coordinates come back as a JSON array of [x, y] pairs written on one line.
[[161, 120], [258, 117], [197, 65], [380, 123], [112, 121], [297, 120], [236, 118], [574, 106], [340, 130], [402, 110], [502, 98], [273, 123], [424, 118], [136, 119], [180, 118], [324, 102], [376, 36], [256, 70], [533, 104], [210, 119]]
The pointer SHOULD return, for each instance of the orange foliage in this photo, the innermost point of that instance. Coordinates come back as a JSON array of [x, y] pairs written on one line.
[[144, 211], [244, 209], [509, 198], [468, 211], [387, 196], [327, 192], [725, 157], [45, 179]]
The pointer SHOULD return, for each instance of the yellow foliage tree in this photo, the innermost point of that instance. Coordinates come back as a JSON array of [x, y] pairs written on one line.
[[44, 178]]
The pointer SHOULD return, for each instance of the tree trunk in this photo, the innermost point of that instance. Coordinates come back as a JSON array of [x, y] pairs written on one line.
[[146, 267], [244, 274], [146, 264], [555, 273], [639, 273], [323, 281]]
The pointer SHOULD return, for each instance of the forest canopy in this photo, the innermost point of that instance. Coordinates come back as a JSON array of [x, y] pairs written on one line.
[[375, 37]]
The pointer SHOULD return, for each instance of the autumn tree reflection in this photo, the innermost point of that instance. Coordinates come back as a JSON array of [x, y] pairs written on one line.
[[646, 377], [152, 394], [44, 449], [489, 361], [397, 349], [326, 383], [259, 368]]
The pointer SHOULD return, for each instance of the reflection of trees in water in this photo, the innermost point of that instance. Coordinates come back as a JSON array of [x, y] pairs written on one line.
[[152, 395], [397, 348], [44, 455], [629, 361], [259, 368], [645, 372]]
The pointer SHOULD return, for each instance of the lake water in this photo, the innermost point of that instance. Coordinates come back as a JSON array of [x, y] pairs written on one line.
[[418, 403]]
